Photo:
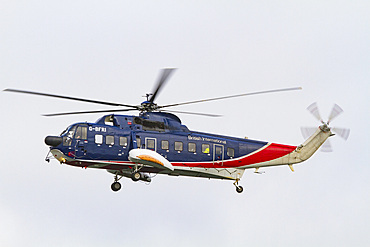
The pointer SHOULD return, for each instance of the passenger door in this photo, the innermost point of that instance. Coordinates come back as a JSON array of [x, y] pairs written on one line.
[[218, 153]]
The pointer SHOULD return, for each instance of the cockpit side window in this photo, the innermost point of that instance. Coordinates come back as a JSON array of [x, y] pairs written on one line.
[[81, 133]]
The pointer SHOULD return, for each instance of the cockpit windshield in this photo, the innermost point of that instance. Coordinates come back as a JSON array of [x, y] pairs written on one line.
[[64, 131], [68, 135], [75, 131]]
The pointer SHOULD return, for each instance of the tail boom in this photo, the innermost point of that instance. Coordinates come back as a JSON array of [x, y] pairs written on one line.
[[302, 152]]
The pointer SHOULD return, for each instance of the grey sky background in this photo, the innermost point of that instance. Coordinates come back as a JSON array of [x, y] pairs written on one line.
[[113, 50]]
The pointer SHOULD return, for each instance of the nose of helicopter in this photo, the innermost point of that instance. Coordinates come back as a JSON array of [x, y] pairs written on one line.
[[53, 140]]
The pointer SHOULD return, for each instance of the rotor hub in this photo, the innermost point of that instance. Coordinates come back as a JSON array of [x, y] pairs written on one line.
[[325, 127], [148, 106]]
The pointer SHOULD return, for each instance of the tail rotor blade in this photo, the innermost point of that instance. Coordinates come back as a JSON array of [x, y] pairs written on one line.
[[326, 147], [342, 132], [315, 111], [308, 131], [335, 112]]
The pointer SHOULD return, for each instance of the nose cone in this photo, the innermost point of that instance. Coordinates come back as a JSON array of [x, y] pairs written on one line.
[[53, 140]]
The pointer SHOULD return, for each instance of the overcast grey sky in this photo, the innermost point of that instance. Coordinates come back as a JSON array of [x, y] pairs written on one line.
[[113, 50]]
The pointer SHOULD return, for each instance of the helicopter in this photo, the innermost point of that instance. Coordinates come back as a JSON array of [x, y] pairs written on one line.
[[155, 142]]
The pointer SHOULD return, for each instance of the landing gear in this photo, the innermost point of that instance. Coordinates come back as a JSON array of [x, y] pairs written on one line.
[[239, 188], [135, 176], [47, 159], [116, 186]]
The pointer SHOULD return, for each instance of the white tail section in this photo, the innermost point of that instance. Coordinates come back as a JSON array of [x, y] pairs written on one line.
[[312, 144], [302, 152]]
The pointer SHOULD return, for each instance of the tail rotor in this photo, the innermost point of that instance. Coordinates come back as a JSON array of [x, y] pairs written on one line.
[[335, 112]]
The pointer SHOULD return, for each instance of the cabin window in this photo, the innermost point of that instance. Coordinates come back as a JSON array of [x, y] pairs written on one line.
[[192, 147], [81, 133], [230, 152], [165, 145], [218, 151], [99, 139], [205, 148], [109, 140], [150, 144], [178, 146], [123, 141]]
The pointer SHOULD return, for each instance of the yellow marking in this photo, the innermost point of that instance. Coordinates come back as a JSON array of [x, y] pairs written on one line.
[[62, 160], [149, 158], [291, 168]]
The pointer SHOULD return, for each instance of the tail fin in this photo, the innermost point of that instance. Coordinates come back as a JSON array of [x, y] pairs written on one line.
[[312, 144]]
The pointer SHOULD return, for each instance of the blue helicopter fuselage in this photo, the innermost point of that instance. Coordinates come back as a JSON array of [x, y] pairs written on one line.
[[113, 136], [107, 143]]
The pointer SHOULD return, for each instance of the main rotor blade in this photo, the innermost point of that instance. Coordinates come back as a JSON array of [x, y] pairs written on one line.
[[85, 112], [69, 98], [233, 96], [162, 79], [194, 113], [315, 111], [335, 112]]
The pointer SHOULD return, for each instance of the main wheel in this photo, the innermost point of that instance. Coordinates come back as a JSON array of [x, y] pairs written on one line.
[[239, 189], [116, 186], [135, 176]]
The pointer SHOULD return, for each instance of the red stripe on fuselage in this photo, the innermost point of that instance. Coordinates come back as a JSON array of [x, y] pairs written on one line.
[[271, 152]]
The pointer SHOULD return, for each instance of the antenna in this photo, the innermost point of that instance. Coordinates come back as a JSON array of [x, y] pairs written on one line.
[[147, 96]]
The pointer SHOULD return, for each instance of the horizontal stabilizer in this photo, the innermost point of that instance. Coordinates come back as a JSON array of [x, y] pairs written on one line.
[[150, 158]]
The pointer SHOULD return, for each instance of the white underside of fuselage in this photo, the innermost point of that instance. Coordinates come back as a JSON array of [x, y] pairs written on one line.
[[216, 173]]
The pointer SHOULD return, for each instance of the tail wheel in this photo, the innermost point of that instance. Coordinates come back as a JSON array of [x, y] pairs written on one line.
[[239, 189], [116, 186]]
